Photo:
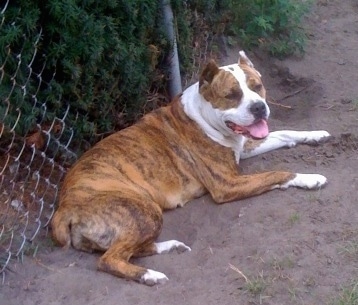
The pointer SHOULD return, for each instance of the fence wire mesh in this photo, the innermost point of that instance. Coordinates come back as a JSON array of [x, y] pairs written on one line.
[[32, 164]]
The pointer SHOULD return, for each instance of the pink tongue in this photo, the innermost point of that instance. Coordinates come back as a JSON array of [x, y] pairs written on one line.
[[258, 130]]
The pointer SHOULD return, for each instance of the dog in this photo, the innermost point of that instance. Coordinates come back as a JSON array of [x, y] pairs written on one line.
[[113, 198]]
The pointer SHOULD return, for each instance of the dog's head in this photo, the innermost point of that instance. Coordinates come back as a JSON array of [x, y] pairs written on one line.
[[238, 96]]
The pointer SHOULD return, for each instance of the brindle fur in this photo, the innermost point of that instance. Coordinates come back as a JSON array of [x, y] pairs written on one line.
[[113, 197]]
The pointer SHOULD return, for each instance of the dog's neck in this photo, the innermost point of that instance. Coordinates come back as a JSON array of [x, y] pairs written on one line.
[[202, 112]]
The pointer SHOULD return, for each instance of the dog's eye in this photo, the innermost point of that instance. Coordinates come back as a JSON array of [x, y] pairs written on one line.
[[257, 87], [234, 95]]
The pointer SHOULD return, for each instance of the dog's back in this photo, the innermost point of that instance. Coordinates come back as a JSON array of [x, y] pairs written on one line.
[[150, 161]]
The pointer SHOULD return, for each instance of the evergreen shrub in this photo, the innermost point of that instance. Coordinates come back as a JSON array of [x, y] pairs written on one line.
[[98, 57], [100, 61]]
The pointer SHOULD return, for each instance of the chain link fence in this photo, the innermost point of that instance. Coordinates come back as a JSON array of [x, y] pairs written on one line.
[[32, 165]]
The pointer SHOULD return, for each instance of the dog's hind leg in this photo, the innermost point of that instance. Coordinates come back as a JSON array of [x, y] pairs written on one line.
[[163, 247], [279, 139], [116, 261]]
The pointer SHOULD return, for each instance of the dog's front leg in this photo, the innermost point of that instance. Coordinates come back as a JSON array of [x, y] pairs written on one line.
[[283, 138], [251, 185]]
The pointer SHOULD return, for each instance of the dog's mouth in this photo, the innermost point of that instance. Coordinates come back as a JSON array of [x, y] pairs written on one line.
[[258, 130]]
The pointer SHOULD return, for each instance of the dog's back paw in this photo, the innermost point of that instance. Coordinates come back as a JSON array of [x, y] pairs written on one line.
[[152, 278], [171, 245]]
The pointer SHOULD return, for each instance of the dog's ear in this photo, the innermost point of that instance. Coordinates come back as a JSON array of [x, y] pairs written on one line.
[[210, 70], [244, 60]]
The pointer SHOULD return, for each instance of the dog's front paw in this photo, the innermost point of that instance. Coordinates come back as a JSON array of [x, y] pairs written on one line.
[[152, 277], [316, 136], [170, 245], [307, 181]]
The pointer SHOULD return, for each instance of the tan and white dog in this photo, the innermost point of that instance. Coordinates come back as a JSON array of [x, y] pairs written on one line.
[[113, 198]]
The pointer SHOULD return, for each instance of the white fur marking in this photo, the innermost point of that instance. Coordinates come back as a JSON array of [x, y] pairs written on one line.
[[285, 138], [208, 118], [307, 181], [212, 120], [152, 277], [243, 55], [167, 246]]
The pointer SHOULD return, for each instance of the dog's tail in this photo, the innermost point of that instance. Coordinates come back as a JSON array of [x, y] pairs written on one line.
[[61, 226]]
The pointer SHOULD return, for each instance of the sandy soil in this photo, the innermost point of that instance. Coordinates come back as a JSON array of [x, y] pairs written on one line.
[[284, 247]]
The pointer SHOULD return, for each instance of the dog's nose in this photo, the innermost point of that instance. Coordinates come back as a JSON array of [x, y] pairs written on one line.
[[258, 109]]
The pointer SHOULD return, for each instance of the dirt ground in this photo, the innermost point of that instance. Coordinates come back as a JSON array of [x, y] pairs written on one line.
[[283, 247]]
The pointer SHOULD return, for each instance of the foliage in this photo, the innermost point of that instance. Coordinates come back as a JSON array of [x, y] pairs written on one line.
[[103, 54], [96, 62], [275, 25]]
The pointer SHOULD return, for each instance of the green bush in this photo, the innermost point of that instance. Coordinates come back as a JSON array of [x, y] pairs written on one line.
[[103, 54], [98, 61], [274, 24]]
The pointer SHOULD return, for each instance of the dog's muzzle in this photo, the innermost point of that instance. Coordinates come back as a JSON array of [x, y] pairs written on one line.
[[258, 109]]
